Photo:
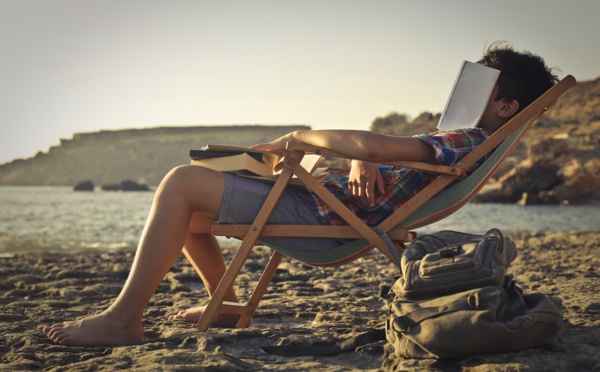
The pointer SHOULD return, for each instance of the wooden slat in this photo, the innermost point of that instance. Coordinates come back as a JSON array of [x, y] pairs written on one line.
[[313, 231], [263, 283], [241, 255], [228, 307], [437, 168], [343, 211]]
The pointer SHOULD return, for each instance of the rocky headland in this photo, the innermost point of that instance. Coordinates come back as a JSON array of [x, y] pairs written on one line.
[[556, 162], [143, 156]]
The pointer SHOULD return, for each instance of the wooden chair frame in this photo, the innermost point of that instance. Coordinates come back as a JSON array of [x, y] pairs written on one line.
[[388, 237]]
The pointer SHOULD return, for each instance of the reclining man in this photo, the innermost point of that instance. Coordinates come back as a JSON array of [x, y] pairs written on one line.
[[190, 199]]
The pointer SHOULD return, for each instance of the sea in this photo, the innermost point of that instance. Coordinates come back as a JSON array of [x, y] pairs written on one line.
[[53, 218]]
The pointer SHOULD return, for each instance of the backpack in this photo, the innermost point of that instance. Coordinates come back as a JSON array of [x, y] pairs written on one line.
[[454, 299], [449, 262]]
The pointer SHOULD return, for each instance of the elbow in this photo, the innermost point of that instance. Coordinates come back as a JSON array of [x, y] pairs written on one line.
[[400, 149], [376, 154], [370, 148]]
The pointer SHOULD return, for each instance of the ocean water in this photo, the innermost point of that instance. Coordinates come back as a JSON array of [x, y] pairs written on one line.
[[57, 218]]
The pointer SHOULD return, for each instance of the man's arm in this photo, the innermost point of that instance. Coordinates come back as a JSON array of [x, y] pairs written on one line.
[[375, 147], [364, 179]]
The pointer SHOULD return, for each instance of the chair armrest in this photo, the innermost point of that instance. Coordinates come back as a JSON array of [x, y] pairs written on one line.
[[454, 170]]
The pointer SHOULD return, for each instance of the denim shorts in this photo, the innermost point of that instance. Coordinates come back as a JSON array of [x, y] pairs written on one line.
[[243, 198]]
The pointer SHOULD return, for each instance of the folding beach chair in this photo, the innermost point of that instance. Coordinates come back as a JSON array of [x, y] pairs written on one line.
[[435, 202]]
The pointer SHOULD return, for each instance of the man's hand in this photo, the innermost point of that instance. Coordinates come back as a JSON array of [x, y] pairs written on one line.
[[363, 180], [278, 145]]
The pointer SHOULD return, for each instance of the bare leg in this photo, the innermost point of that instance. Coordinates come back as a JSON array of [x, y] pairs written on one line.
[[204, 253], [182, 192]]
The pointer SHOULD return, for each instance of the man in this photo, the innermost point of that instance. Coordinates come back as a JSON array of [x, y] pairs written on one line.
[[190, 199]]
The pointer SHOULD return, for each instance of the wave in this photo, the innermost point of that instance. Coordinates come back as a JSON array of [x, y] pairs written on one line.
[[14, 244]]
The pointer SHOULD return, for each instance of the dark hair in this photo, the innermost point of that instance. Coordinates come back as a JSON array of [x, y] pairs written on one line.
[[523, 75]]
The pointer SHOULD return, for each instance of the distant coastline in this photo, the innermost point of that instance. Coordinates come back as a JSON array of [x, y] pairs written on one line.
[[556, 162], [141, 155]]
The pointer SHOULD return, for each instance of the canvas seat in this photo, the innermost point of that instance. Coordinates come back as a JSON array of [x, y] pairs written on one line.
[[435, 202]]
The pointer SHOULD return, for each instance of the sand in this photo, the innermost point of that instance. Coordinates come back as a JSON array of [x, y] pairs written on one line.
[[303, 304]]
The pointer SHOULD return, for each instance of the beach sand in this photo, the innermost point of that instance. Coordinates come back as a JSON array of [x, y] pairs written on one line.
[[303, 304]]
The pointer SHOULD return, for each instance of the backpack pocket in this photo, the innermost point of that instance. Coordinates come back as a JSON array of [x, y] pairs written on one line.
[[448, 262], [451, 260], [483, 320]]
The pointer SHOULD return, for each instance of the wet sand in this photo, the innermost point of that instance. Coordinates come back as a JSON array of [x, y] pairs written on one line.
[[303, 304]]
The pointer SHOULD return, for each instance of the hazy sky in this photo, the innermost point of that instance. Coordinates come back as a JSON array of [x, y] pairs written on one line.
[[79, 66]]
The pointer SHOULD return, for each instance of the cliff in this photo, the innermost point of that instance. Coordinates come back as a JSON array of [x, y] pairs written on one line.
[[559, 158], [141, 155], [557, 161]]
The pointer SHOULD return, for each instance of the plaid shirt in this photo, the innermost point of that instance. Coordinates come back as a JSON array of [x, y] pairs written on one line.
[[401, 184]]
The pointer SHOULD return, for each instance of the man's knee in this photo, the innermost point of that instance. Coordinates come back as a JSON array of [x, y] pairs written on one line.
[[188, 174], [181, 172], [176, 180], [202, 188]]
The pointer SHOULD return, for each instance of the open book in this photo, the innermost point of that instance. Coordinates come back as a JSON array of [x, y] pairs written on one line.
[[248, 162], [469, 96]]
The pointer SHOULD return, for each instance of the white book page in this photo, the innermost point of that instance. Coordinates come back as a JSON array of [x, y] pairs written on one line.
[[469, 96]]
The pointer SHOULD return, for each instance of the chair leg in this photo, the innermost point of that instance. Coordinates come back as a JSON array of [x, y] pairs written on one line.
[[246, 310], [216, 301], [226, 282], [261, 287]]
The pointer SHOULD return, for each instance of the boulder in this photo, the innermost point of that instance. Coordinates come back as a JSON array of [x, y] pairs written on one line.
[[559, 170], [128, 185], [84, 186]]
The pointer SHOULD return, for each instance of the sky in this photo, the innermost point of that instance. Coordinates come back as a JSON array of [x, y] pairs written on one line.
[[71, 66]]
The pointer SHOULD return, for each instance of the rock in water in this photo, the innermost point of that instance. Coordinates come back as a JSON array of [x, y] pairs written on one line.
[[128, 185], [84, 186]]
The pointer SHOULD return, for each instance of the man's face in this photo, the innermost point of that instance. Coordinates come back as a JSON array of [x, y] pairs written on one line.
[[490, 116]]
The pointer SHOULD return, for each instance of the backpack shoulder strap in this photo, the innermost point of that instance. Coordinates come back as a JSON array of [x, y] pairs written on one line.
[[306, 350]]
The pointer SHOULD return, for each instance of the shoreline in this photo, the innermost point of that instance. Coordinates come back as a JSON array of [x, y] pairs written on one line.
[[302, 304], [11, 246]]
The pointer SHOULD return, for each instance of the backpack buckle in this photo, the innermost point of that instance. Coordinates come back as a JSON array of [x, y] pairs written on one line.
[[449, 252], [473, 300], [401, 324]]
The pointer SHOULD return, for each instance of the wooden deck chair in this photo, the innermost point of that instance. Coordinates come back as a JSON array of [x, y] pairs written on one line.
[[435, 202]]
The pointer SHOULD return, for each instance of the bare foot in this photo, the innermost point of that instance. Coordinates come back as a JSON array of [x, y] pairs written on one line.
[[193, 315], [97, 330]]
